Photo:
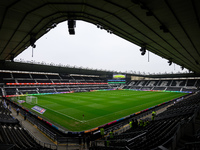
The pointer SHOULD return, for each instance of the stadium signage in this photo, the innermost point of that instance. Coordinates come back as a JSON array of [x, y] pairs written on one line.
[[21, 101], [49, 83], [39, 109]]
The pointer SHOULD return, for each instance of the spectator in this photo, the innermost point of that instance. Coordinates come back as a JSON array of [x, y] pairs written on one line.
[[111, 134], [25, 115], [92, 139], [88, 141], [17, 111], [80, 140], [153, 115], [107, 143], [135, 123], [141, 123], [84, 142], [10, 107], [146, 122], [131, 124], [102, 132]]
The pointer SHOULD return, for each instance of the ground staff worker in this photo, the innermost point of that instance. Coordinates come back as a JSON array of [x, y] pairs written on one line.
[[102, 132], [111, 134], [131, 124], [141, 123], [111, 137], [153, 115]]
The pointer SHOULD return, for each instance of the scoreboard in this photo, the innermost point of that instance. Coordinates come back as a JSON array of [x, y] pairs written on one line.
[[117, 79], [119, 76]]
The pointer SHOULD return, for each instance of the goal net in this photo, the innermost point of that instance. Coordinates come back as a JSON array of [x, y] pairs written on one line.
[[31, 100], [15, 99]]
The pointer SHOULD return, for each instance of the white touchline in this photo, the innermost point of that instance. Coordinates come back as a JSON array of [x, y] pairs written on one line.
[[93, 118], [113, 113], [62, 114], [116, 112]]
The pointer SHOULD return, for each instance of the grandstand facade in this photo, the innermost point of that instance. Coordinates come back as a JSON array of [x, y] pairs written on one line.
[[17, 83], [168, 28], [190, 85], [20, 83]]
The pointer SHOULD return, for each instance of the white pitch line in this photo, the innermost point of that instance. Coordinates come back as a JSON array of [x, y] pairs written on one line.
[[111, 113], [93, 118], [116, 112], [61, 113]]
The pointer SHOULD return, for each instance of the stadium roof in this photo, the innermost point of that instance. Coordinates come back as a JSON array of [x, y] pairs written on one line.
[[168, 28]]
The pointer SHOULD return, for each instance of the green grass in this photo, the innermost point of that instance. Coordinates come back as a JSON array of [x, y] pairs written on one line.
[[98, 107]]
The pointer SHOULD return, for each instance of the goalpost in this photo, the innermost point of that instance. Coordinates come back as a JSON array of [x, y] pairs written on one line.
[[15, 98], [31, 100]]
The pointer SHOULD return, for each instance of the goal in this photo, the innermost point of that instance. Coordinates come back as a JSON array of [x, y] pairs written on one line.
[[31, 100], [15, 99]]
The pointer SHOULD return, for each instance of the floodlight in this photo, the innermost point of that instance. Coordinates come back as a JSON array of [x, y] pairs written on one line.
[[170, 62], [71, 26], [12, 58], [32, 41], [143, 50]]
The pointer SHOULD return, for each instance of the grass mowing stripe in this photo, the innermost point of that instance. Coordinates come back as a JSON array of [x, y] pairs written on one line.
[[60, 113], [124, 110], [98, 107], [114, 113]]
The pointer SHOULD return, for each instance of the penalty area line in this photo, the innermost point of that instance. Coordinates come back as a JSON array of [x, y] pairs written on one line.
[[62, 114]]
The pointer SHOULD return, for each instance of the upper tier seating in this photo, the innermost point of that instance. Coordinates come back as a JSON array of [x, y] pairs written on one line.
[[38, 76], [19, 75], [37, 83], [53, 77], [5, 75], [26, 81], [168, 85]]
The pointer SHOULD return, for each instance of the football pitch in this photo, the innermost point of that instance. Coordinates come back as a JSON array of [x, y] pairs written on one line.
[[87, 110]]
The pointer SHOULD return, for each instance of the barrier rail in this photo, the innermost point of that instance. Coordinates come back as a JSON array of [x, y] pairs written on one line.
[[43, 144]]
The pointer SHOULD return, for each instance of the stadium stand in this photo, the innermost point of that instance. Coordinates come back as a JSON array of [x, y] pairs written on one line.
[[39, 76], [164, 132], [190, 85], [11, 91], [166, 28], [53, 77], [1, 92], [30, 90], [9, 81], [43, 81], [12, 135], [23, 76], [5, 75], [159, 133], [23, 83], [46, 89]]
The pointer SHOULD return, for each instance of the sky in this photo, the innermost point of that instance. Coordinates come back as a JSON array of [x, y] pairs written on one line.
[[94, 48]]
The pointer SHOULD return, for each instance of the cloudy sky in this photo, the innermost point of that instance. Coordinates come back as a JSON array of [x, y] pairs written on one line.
[[94, 48]]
